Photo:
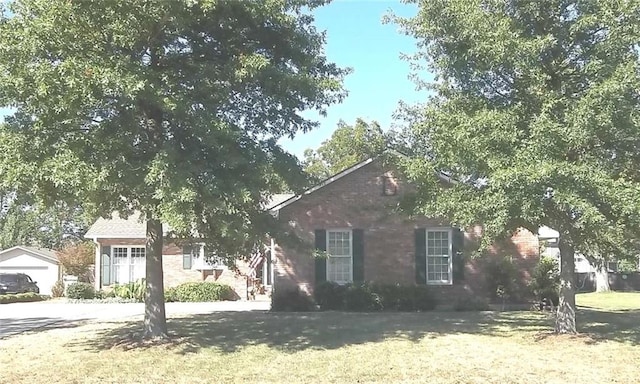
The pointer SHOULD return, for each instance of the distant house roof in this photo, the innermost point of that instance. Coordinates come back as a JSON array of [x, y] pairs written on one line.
[[547, 233], [278, 199], [134, 228], [42, 252], [118, 228]]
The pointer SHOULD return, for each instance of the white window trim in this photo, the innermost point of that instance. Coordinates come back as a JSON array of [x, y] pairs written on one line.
[[199, 260], [339, 230], [128, 248], [449, 230]]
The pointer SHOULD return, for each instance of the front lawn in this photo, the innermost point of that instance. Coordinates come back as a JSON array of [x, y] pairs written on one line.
[[433, 347], [615, 301]]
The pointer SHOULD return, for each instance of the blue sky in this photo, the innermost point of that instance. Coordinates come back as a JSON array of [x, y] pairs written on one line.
[[357, 38]]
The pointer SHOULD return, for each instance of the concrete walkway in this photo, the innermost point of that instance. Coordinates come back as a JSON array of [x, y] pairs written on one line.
[[21, 317]]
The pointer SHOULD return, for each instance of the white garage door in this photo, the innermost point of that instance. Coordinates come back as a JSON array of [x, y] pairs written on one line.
[[44, 276]]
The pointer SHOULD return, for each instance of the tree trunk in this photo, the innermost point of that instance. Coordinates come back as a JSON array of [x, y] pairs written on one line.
[[602, 277], [566, 317], [155, 321]]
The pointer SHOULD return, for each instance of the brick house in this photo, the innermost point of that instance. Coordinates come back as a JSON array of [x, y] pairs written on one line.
[[120, 258], [352, 217]]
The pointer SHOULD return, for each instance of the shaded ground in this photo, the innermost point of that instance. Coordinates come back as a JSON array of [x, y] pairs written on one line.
[[439, 347], [41, 316]]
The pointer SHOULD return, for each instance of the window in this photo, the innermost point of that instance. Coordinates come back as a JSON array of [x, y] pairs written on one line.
[[197, 257], [439, 261], [340, 256], [128, 264]]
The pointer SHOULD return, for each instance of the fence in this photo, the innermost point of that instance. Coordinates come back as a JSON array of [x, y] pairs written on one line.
[[618, 281]]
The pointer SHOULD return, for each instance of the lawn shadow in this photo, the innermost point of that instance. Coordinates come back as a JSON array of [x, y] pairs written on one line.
[[16, 326], [292, 332], [601, 325]]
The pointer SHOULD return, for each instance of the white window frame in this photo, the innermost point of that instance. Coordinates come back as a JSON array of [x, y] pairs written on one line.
[[129, 264], [450, 241], [199, 260], [340, 230]]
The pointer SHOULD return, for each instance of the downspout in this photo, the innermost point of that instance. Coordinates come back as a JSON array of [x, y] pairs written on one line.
[[97, 267]]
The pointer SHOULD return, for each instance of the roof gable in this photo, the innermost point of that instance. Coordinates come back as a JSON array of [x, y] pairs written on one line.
[[44, 253], [345, 173]]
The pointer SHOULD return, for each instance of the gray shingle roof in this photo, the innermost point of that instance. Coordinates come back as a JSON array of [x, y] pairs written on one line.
[[134, 228], [118, 228], [44, 252]]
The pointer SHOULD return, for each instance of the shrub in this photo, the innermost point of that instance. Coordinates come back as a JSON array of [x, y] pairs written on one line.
[[134, 290], [329, 295], [501, 278], [58, 289], [374, 297], [76, 258], [80, 291], [471, 303], [360, 297], [545, 280], [291, 300], [202, 291], [22, 298]]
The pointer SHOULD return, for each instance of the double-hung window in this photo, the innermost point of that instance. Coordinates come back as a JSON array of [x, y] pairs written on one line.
[[439, 260], [128, 264], [340, 256]]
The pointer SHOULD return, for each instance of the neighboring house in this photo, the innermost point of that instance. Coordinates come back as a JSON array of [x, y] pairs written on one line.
[[120, 257], [549, 241], [40, 264], [352, 216]]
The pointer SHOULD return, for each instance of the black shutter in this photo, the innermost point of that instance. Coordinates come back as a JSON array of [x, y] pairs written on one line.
[[457, 245], [321, 262], [187, 258], [421, 255], [105, 270], [358, 255]]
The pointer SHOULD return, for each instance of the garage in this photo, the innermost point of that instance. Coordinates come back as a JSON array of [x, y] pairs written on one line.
[[40, 264]]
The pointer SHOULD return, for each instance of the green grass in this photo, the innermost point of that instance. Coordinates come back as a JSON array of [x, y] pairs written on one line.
[[615, 301], [438, 347]]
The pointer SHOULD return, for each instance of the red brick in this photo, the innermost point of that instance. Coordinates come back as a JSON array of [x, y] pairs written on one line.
[[357, 201]]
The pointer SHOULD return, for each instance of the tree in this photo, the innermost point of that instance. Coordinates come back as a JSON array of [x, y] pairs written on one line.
[[535, 114], [76, 258], [169, 108], [348, 145], [26, 223]]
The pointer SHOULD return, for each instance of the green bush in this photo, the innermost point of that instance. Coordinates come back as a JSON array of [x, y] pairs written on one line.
[[361, 297], [501, 277], [374, 297], [202, 291], [81, 291], [471, 303], [545, 280], [291, 300], [134, 290], [58, 289], [22, 298], [329, 295]]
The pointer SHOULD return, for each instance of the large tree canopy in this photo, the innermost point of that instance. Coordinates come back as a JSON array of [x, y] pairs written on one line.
[[536, 112], [348, 145], [22, 223], [171, 108]]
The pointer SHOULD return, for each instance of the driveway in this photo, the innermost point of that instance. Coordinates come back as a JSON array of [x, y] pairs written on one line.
[[21, 317]]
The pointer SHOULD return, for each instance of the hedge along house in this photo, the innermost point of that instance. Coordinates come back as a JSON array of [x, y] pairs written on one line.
[[351, 219], [121, 258]]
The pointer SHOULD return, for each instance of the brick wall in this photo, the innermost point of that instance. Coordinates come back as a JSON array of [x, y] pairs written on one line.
[[175, 275], [357, 201]]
